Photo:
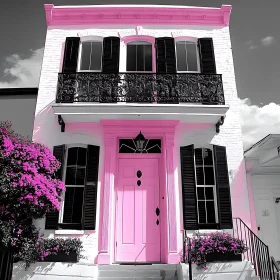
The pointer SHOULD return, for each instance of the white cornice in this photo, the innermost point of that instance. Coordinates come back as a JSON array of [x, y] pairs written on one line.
[[136, 15]]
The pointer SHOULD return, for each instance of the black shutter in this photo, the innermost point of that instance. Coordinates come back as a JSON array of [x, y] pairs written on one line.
[[188, 188], [222, 187], [166, 64], [52, 217], [111, 55], [166, 57], [110, 65], [71, 52], [207, 56], [90, 192]]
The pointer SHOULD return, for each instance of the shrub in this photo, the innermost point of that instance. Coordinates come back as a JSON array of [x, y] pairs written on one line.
[[29, 189], [214, 242], [28, 186], [32, 252]]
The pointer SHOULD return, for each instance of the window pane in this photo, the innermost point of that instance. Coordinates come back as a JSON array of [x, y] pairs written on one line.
[[209, 193], [73, 205], [191, 56], [72, 156], [198, 157], [199, 176], [75, 176], [208, 159], [131, 58], [70, 176], [200, 193], [82, 156], [209, 176], [140, 57], [210, 212], [181, 56], [85, 59], [68, 205], [201, 212], [80, 176], [78, 205], [148, 57], [96, 55]]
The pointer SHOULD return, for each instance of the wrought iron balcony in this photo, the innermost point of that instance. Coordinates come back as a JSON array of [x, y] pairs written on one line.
[[140, 88]]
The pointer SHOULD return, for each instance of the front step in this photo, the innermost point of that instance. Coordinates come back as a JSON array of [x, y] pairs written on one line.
[[138, 272]]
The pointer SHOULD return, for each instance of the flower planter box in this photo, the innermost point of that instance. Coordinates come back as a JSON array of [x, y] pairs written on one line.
[[223, 257], [62, 257]]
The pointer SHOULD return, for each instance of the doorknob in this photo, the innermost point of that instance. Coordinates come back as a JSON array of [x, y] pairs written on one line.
[[157, 211]]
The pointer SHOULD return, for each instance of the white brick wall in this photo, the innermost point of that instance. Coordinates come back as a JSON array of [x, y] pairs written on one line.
[[47, 131]]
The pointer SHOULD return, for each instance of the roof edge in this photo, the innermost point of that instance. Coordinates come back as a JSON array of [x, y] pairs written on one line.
[[18, 91], [137, 15], [261, 142]]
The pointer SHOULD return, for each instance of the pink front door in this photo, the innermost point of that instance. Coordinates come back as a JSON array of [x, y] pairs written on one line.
[[137, 224]]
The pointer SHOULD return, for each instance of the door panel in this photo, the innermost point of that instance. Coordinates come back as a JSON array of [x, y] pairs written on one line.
[[268, 226], [138, 235], [128, 233]]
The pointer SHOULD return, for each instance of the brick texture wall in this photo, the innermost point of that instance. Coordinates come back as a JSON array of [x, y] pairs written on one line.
[[47, 131]]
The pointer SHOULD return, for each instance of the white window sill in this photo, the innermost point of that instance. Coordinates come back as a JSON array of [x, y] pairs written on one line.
[[207, 231], [68, 232]]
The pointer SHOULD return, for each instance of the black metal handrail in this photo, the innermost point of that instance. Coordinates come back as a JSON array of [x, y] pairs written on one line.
[[6, 263], [258, 252], [186, 257], [275, 269], [140, 88]]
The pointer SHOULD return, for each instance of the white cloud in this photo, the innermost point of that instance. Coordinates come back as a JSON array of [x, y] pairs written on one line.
[[257, 122], [267, 41], [251, 45], [22, 72]]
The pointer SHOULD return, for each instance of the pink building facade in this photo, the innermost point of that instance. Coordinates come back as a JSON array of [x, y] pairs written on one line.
[[111, 72]]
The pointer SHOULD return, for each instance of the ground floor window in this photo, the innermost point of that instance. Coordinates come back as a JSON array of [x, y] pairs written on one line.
[[205, 186], [74, 178]]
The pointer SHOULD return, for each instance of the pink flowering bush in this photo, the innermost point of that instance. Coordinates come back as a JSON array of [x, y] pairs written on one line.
[[214, 242], [27, 177], [28, 187]]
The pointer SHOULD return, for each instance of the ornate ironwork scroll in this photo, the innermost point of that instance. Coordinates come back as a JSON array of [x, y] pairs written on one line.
[[140, 88]]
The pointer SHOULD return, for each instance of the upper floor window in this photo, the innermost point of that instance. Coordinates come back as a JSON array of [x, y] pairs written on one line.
[[139, 56], [205, 186], [186, 56], [91, 56]]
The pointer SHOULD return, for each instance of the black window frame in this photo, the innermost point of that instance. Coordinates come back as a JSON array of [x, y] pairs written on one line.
[[81, 54], [214, 188], [189, 189], [140, 42], [61, 223], [188, 41]]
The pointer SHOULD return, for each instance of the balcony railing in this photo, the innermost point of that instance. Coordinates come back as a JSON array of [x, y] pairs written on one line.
[[258, 252], [140, 88]]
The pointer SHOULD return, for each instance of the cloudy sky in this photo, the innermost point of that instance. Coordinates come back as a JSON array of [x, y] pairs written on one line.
[[255, 43]]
